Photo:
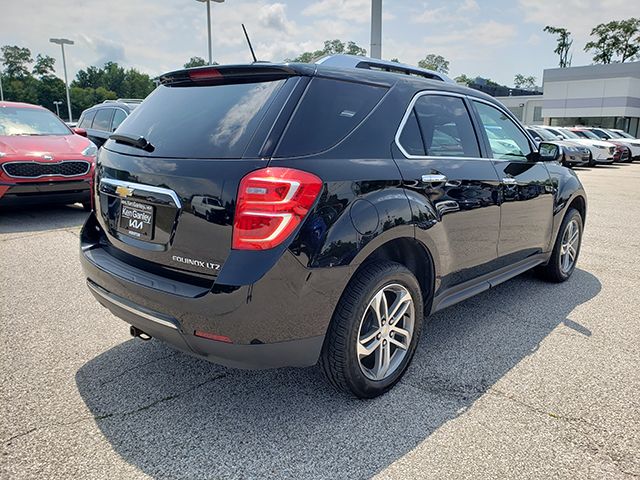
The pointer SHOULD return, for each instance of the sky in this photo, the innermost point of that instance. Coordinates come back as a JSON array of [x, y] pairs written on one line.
[[492, 39]]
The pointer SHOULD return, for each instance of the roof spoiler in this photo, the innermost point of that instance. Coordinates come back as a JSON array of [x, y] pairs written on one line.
[[355, 61], [222, 74]]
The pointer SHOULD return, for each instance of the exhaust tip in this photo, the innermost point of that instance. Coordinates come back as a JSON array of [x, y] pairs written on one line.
[[136, 332]]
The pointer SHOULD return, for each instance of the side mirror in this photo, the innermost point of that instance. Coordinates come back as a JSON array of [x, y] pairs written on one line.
[[79, 131], [549, 152]]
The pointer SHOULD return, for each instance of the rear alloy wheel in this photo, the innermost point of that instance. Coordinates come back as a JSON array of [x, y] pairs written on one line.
[[374, 330], [566, 249]]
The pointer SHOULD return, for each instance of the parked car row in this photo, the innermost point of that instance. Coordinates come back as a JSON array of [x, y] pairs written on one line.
[[605, 146]]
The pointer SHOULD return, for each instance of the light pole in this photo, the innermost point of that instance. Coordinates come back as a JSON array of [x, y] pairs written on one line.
[[1, 91], [208, 2], [376, 29], [62, 42], [57, 104]]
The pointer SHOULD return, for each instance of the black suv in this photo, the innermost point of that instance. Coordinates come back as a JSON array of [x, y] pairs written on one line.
[[101, 120], [350, 203]]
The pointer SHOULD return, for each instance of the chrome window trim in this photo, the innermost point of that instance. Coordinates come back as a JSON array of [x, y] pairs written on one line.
[[144, 188], [47, 163], [109, 298], [423, 93], [407, 113]]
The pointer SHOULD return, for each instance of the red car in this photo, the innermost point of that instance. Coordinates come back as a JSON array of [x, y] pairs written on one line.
[[41, 159]]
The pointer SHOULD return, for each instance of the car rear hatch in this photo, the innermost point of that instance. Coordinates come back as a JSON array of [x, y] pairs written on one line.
[[167, 180]]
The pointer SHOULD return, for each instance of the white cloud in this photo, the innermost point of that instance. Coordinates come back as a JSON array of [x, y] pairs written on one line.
[[274, 16], [352, 10]]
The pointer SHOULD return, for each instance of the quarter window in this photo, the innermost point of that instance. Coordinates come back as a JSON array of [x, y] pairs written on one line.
[[87, 119], [118, 118], [103, 119], [506, 140], [439, 126]]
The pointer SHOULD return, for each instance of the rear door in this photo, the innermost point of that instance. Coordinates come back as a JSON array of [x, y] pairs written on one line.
[[445, 175], [171, 203], [527, 192]]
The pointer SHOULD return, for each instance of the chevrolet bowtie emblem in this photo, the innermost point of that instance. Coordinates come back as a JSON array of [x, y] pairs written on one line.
[[124, 191]]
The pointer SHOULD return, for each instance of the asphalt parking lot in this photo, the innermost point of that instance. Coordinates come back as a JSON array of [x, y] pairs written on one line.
[[528, 380]]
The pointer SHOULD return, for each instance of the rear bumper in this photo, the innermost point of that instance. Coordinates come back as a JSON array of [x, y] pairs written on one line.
[[279, 320], [295, 353], [35, 193]]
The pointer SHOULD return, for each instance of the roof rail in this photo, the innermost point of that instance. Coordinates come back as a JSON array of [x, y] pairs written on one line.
[[124, 100], [355, 61]]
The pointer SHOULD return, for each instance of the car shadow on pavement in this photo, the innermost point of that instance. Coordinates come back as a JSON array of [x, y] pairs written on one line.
[[40, 218], [175, 416]]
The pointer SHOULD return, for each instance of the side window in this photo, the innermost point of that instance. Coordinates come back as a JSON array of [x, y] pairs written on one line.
[[443, 126], [328, 112], [506, 140], [103, 119], [118, 117], [87, 119]]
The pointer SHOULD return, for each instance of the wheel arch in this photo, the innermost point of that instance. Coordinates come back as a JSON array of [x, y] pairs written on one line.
[[414, 255]]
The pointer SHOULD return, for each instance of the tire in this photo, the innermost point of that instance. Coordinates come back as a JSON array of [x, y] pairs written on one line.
[[354, 324], [592, 162], [557, 270]]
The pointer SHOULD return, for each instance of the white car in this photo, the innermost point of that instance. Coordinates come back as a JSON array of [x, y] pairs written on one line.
[[601, 152], [617, 135]]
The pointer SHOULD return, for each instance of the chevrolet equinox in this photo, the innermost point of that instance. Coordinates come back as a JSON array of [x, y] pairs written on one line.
[[271, 215]]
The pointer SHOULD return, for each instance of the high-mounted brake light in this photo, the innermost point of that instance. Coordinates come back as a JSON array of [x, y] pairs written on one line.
[[205, 74], [272, 202]]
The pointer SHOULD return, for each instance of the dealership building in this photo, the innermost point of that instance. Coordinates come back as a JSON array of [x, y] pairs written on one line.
[[595, 95]]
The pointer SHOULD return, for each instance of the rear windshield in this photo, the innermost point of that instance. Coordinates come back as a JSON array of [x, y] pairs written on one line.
[[328, 112], [200, 121]]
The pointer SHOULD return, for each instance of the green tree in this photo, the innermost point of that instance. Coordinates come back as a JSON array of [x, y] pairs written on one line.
[[462, 79], [435, 62], [628, 39], [615, 39], [16, 61], [136, 84], [564, 43], [331, 47], [44, 67], [520, 81], [196, 62]]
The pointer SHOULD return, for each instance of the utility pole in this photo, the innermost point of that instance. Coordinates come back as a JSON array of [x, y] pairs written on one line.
[[62, 42], [376, 29], [208, 2]]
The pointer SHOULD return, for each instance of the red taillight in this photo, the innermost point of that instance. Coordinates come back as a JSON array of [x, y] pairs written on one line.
[[272, 202]]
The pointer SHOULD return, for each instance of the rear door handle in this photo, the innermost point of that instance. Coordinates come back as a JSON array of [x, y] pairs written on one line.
[[434, 178]]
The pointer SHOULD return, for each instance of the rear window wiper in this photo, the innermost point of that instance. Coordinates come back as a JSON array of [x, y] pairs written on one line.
[[137, 142]]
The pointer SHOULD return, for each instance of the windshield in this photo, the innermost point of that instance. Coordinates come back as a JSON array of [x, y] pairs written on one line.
[[612, 134], [588, 134], [544, 134], [568, 133], [30, 121], [625, 135]]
